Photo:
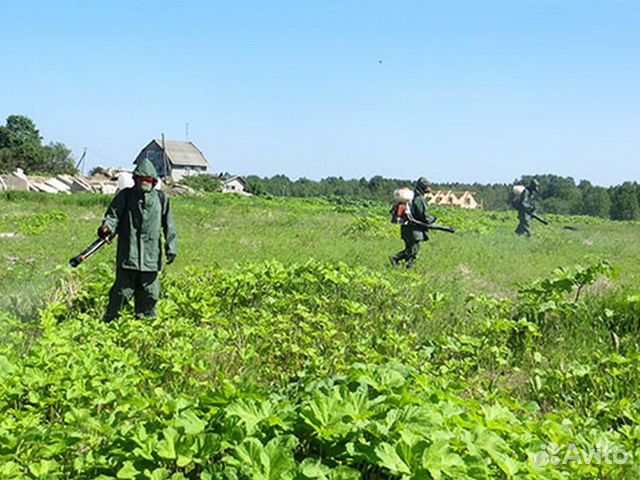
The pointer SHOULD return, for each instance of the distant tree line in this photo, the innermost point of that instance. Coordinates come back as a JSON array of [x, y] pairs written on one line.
[[557, 194], [21, 146]]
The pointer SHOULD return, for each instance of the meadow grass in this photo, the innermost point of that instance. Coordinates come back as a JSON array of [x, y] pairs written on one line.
[[284, 337], [484, 256]]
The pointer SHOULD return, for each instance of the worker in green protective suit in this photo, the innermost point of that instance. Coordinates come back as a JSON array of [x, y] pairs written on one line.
[[139, 215], [411, 232], [526, 206]]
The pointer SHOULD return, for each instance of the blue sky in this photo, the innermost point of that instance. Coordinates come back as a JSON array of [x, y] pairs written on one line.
[[481, 90]]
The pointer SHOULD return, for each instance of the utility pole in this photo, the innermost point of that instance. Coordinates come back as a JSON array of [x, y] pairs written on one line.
[[186, 133], [164, 158], [81, 163]]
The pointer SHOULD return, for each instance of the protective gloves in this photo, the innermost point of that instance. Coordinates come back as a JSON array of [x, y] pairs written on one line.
[[103, 231]]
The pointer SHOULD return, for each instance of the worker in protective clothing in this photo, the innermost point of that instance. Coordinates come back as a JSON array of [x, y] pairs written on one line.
[[526, 206], [413, 233], [140, 216]]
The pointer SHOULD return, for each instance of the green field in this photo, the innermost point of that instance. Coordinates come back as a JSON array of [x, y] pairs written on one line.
[[286, 347]]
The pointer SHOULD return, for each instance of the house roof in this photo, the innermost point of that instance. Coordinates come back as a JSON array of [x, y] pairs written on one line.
[[238, 178], [183, 154], [227, 177]]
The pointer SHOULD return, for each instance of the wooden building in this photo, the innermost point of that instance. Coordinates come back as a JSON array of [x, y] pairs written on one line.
[[176, 161], [235, 184], [464, 199]]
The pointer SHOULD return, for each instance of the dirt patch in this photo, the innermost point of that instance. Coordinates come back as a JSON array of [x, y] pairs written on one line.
[[11, 259], [479, 283], [465, 271], [601, 286]]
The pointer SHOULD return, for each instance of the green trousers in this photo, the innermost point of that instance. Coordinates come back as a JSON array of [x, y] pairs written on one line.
[[144, 287], [410, 252], [524, 224]]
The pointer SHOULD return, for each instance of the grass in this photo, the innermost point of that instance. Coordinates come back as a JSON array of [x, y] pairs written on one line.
[[483, 257], [278, 305], [229, 231]]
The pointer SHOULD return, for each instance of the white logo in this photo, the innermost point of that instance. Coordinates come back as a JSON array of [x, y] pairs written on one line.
[[553, 454]]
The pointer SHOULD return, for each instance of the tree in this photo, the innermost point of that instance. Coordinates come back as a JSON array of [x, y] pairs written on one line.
[[29, 157], [58, 159], [255, 185], [595, 200], [19, 131], [203, 183], [21, 146], [624, 202]]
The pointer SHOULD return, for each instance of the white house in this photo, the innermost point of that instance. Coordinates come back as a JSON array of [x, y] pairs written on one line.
[[235, 184]]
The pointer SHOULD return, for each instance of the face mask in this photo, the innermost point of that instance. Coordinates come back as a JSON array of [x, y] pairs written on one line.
[[146, 187]]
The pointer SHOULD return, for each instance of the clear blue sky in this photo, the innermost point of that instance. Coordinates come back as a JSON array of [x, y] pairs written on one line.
[[481, 90]]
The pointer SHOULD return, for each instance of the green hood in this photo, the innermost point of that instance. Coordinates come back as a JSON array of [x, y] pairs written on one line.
[[534, 185], [145, 169], [421, 185]]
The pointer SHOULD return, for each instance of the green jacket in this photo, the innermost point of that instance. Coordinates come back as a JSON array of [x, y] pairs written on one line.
[[413, 232], [527, 202], [140, 218]]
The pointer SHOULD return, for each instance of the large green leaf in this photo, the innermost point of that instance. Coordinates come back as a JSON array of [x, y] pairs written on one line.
[[251, 413], [166, 448], [6, 367], [271, 462], [190, 422], [389, 458], [128, 471], [438, 459]]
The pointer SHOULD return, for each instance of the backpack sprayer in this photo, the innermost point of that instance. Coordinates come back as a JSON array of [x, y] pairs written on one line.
[[91, 249], [401, 212], [403, 197], [518, 189]]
